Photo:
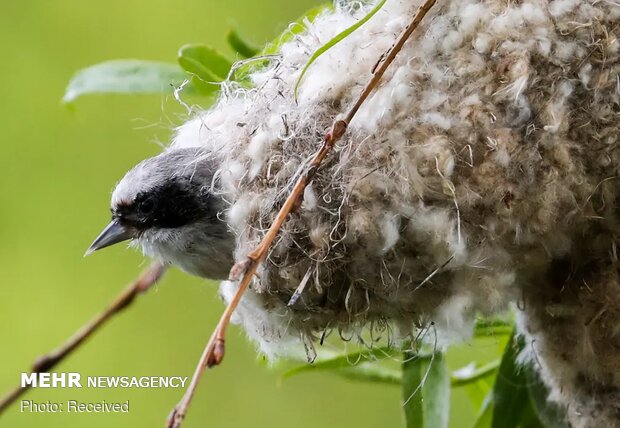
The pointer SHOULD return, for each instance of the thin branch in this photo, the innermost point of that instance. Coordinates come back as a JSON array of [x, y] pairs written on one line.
[[48, 361], [214, 351]]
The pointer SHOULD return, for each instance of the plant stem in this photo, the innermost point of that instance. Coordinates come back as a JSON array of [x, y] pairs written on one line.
[[48, 361], [214, 351]]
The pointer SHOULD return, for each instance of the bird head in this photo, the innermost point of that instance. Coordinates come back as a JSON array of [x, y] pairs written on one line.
[[166, 205]]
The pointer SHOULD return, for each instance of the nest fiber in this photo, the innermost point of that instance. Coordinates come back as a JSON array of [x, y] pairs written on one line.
[[482, 171]]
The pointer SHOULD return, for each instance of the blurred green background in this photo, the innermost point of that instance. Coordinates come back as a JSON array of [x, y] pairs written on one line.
[[58, 167]]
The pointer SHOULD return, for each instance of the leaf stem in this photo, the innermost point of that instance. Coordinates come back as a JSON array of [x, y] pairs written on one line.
[[332, 42]]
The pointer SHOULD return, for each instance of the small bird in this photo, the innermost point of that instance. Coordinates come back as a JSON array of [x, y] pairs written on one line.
[[481, 172], [166, 205]]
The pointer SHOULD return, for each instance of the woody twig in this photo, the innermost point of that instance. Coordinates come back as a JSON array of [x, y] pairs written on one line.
[[47, 362], [214, 351]]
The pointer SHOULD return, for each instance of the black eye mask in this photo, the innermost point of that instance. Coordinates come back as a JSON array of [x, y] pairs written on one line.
[[173, 204]]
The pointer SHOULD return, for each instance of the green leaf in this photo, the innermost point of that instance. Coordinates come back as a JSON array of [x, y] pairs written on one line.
[[240, 44], [550, 414], [493, 327], [510, 394], [529, 419], [273, 48], [205, 62], [485, 416], [519, 398], [372, 372], [199, 86], [344, 361], [367, 366], [479, 393], [298, 26], [472, 374], [124, 77], [335, 41], [426, 391]]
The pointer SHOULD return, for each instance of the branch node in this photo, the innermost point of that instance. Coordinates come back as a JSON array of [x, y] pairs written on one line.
[[174, 419], [337, 131], [214, 351], [218, 353], [239, 269], [43, 364]]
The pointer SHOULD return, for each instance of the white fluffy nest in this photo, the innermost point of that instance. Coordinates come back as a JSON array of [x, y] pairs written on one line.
[[482, 171]]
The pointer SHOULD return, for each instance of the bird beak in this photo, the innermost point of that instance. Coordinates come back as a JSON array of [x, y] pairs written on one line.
[[112, 234]]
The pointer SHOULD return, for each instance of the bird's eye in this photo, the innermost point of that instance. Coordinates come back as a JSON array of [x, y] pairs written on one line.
[[146, 206]]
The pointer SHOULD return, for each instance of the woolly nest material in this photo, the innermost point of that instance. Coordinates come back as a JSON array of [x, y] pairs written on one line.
[[482, 171]]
